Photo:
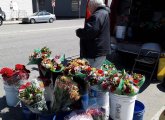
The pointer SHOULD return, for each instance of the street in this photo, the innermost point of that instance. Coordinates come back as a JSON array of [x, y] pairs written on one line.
[[17, 41]]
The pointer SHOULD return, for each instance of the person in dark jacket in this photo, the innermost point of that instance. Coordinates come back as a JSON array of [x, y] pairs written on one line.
[[95, 36]]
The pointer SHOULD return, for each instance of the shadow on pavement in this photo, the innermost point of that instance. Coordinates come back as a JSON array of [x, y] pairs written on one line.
[[9, 113]]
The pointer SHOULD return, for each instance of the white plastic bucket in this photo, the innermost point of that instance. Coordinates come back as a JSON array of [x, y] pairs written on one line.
[[11, 95], [120, 32], [122, 107], [106, 112]]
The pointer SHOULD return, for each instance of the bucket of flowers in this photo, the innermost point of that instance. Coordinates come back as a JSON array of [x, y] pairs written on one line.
[[124, 86], [12, 78], [99, 89], [66, 93]]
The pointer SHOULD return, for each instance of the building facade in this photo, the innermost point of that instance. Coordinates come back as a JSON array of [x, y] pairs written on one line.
[[61, 8], [15, 9]]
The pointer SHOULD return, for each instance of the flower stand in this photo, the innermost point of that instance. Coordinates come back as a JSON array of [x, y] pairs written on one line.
[[11, 95]]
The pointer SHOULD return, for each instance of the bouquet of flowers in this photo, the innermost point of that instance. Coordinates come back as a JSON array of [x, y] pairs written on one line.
[[108, 68], [126, 84], [45, 52], [66, 92], [79, 69], [97, 113], [14, 76], [57, 63], [35, 57], [31, 95], [38, 55]]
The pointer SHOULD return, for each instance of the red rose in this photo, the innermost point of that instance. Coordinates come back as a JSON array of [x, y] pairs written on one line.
[[7, 72], [19, 67], [104, 86], [135, 81], [100, 71], [89, 69]]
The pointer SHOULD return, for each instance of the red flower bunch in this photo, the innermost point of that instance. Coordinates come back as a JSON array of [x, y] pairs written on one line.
[[12, 76], [22, 72], [23, 87], [7, 72]]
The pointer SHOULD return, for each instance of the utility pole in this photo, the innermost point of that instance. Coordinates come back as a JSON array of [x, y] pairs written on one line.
[[37, 6], [53, 5]]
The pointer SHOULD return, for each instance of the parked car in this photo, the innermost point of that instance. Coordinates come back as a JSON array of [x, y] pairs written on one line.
[[2, 16], [42, 16]]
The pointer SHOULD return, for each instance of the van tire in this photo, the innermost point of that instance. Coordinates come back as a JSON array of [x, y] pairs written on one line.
[[1, 21]]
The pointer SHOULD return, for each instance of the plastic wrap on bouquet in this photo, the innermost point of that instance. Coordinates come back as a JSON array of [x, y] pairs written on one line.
[[107, 65], [78, 115], [48, 93], [38, 107], [44, 72], [55, 74], [83, 84], [97, 113]]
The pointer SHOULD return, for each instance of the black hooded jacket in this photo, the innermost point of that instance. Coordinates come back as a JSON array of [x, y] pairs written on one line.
[[95, 37]]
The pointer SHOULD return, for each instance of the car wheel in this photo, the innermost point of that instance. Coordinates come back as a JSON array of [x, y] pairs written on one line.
[[51, 20], [1, 21], [32, 21]]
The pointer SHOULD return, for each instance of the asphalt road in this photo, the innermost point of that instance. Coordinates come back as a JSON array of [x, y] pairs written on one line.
[[17, 41]]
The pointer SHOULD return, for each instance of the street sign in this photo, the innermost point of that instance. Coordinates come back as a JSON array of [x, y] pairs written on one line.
[[53, 3]]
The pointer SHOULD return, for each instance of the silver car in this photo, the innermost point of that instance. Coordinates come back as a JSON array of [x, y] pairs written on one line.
[[42, 16]]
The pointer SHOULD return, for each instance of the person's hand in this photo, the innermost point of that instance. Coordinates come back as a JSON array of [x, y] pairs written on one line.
[[78, 32]]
